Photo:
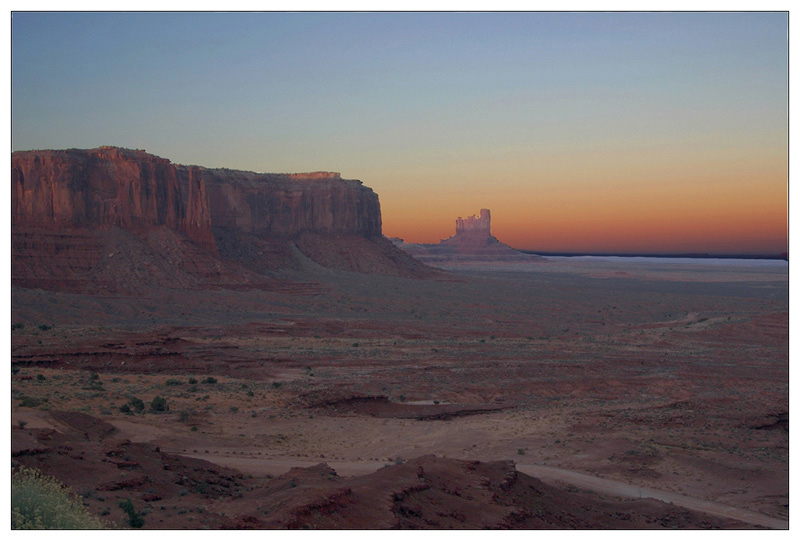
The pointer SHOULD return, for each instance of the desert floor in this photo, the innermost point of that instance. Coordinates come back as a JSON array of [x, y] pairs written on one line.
[[665, 376]]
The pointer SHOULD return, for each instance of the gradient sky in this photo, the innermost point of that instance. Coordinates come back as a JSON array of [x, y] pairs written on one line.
[[600, 132]]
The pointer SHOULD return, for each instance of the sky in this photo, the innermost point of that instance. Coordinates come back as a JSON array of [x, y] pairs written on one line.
[[582, 132]]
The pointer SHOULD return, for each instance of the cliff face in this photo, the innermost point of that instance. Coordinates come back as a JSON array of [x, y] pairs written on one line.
[[475, 225], [289, 205], [105, 187], [184, 226]]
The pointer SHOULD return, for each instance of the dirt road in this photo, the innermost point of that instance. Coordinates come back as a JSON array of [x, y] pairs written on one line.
[[278, 465], [616, 488]]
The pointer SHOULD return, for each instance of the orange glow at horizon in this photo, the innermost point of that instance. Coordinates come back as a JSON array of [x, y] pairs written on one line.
[[742, 214]]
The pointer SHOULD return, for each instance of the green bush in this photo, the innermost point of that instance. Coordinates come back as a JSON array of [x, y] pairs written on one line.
[[39, 502], [159, 404], [134, 519], [210, 380], [134, 405]]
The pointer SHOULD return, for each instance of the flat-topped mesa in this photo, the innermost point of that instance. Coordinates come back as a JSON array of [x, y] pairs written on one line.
[[289, 205], [475, 224], [115, 219]]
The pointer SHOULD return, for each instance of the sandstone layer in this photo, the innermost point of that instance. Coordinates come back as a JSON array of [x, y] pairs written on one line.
[[115, 220]]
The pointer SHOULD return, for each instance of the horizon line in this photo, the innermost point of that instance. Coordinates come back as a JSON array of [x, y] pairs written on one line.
[[693, 255]]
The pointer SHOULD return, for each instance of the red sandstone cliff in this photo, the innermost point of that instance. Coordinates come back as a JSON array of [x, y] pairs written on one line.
[[112, 219], [291, 204], [105, 187]]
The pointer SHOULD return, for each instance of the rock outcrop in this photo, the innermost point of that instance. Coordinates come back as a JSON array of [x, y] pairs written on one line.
[[289, 205], [105, 187], [480, 225], [115, 220], [473, 245]]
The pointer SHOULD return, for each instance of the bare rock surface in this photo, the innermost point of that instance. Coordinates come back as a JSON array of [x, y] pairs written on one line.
[[112, 220]]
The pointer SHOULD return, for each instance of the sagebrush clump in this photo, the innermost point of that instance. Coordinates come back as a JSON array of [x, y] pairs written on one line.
[[39, 502]]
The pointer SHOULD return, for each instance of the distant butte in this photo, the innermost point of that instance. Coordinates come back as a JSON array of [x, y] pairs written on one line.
[[472, 245]]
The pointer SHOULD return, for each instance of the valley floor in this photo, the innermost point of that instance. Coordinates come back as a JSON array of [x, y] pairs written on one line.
[[663, 377]]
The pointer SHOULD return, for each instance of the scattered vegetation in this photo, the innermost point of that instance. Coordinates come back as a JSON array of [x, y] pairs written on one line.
[[30, 402], [136, 520], [39, 502]]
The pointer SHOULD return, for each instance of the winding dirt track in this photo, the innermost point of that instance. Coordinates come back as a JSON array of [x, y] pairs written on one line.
[[279, 465], [616, 488]]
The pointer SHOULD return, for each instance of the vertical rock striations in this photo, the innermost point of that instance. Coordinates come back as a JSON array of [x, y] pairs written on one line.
[[104, 187], [475, 225], [291, 204], [112, 219]]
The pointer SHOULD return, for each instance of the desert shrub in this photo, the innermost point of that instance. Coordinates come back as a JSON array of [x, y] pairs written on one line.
[[159, 404], [16, 326], [173, 382], [30, 402], [276, 384], [210, 380], [134, 519], [39, 502], [201, 488], [40, 377], [192, 381], [184, 415], [134, 405], [44, 327]]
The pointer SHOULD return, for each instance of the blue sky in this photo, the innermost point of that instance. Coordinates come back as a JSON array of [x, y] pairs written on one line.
[[442, 113]]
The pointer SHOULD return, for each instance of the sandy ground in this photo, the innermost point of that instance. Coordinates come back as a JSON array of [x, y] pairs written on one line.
[[668, 380]]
